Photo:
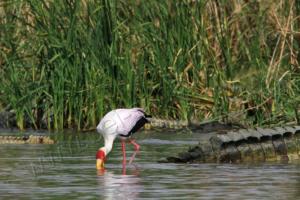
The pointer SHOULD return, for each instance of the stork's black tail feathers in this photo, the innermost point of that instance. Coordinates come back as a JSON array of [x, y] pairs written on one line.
[[147, 116]]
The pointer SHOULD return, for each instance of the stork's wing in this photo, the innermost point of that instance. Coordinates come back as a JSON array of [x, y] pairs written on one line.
[[131, 120]]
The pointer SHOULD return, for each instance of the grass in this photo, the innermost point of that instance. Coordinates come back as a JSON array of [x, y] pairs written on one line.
[[69, 62]]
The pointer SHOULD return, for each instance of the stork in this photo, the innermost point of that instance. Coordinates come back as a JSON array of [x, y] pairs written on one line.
[[119, 123]]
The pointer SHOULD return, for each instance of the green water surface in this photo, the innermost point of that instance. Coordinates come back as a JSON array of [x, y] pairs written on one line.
[[66, 170]]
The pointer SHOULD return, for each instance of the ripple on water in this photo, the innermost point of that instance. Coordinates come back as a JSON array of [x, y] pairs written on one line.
[[67, 171]]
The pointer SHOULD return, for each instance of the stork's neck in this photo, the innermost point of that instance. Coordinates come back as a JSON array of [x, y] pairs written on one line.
[[108, 144]]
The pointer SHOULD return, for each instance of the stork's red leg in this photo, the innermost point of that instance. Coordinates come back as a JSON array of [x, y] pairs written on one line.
[[124, 153], [136, 147]]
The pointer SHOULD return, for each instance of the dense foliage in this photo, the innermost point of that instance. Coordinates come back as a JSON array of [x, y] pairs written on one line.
[[68, 62]]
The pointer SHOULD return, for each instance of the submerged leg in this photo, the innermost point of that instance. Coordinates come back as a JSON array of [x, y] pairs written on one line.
[[136, 147], [124, 153]]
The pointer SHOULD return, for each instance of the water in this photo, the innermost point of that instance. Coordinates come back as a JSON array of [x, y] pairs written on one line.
[[66, 170]]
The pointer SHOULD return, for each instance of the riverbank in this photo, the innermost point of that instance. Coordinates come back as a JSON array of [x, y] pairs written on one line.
[[8, 120]]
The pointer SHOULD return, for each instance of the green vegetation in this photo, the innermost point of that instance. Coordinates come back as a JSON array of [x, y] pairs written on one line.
[[71, 61]]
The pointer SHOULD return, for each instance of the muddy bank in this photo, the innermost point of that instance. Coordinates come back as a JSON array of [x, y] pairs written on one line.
[[8, 121]]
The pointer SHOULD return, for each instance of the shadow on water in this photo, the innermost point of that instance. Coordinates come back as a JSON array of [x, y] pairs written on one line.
[[67, 170]]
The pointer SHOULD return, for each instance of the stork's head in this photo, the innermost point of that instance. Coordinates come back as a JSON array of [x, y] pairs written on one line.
[[100, 159]]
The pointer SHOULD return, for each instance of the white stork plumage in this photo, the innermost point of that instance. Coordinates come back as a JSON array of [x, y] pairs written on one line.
[[119, 123]]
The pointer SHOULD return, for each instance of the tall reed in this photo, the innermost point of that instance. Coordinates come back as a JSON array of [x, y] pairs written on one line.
[[66, 63]]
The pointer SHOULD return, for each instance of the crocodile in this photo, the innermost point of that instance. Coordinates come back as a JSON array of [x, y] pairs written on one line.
[[165, 123], [244, 145], [28, 139], [157, 123]]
